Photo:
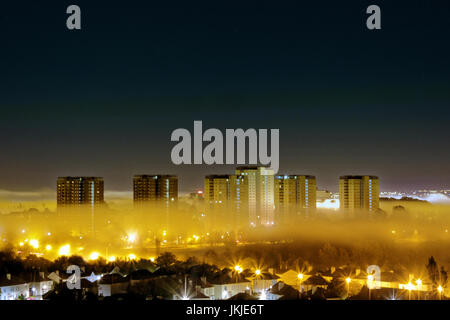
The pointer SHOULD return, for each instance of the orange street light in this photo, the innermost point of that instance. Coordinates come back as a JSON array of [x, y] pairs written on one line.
[[440, 290]]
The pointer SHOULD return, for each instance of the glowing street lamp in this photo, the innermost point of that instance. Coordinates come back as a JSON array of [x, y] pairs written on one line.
[[300, 277], [347, 281], [440, 289], [94, 256], [419, 286], [34, 243], [64, 250], [258, 272], [238, 270], [131, 238], [409, 287], [131, 257]]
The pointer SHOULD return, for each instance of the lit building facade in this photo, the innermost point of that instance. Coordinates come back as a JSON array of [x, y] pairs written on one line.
[[80, 191], [252, 193], [217, 195], [294, 194], [155, 188], [217, 190], [359, 193]]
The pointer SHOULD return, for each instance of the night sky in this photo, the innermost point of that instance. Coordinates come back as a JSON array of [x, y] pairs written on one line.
[[104, 100]]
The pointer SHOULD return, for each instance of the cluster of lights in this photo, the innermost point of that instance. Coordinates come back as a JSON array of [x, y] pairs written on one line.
[[131, 238], [238, 268], [64, 250], [94, 256], [34, 243]]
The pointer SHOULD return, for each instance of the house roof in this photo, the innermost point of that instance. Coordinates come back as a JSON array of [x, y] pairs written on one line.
[[113, 278], [242, 296], [287, 292], [315, 280], [226, 276], [140, 274], [15, 280], [380, 294], [199, 295], [267, 276]]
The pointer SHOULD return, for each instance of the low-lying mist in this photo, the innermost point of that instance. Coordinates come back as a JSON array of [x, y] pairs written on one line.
[[401, 235]]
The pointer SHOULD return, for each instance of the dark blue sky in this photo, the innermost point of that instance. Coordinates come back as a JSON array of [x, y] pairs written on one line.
[[104, 100]]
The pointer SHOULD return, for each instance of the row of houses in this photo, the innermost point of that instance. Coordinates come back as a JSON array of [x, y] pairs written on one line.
[[30, 286], [221, 285]]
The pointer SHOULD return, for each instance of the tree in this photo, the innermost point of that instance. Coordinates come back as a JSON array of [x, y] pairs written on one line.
[[433, 271], [165, 260], [444, 277], [337, 288]]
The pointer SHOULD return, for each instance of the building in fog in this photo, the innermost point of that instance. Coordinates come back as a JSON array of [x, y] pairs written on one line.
[[155, 188], [359, 193], [252, 194], [80, 191], [217, 195], [294, 195], [245, 198], [217, 190]]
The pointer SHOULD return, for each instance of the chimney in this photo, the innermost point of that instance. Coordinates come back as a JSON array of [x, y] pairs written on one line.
[[271, 271], [309, 268], [8, 276], [357, 272], [57, 272], [332, 270], [41, 274]]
